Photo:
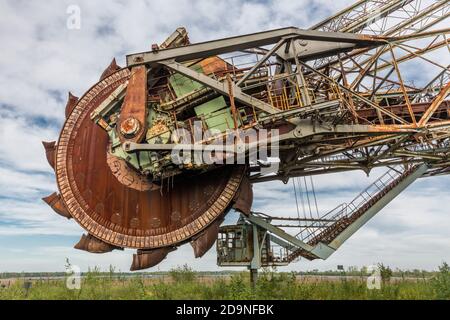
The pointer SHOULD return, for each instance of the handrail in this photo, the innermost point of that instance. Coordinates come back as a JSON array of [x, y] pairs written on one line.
[[366, 196]]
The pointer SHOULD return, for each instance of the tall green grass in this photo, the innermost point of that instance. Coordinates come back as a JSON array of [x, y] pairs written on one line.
[[184, 283]]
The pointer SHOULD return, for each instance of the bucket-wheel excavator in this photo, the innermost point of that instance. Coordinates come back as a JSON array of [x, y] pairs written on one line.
[[157, 152]]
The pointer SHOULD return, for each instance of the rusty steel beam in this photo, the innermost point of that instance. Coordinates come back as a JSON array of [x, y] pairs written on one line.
[[435, 105], [413, 54], [220, 87], [216, 47], [370, 103], [261, 61], [132, 121]]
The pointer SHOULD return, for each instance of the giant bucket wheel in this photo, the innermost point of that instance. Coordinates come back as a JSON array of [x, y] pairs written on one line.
[[97, 195]]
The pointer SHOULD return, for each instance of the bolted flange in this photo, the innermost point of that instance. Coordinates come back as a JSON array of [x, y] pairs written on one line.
[[130, 127]]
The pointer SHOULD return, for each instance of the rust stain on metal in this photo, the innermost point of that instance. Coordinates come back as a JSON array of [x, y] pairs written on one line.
[[55, 202], [133, 114], [128, 176], [71, 102], [244, 197], [91, 244], [144, 259], [205, 240], [113, 67], [50, 152]]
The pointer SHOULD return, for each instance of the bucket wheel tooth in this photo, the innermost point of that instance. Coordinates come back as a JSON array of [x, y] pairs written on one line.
[[91, 244], [144, 259], [205, 240], [71, 103], [243, 199], [50, 152], [113, 67], [55, 202]]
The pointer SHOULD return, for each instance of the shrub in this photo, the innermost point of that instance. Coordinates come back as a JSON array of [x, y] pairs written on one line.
[[441, 282], [385, 273], [182, 274]]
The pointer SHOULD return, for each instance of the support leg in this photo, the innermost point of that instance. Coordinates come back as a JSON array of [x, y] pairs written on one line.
[[253, 277]]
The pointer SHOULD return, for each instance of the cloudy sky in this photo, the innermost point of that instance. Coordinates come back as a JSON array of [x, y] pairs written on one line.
[[41, 60]]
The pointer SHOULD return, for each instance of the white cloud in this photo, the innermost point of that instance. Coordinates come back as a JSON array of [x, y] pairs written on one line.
[[21, 141]]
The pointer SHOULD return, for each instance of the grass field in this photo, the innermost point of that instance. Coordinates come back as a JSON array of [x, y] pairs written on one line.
[[183, 283]]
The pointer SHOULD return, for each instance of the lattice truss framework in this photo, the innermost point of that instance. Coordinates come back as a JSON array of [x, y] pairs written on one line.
[[370, 100]]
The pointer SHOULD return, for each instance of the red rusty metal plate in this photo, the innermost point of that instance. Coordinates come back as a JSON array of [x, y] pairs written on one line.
[[126, 175], [133, 114], [123, 216]]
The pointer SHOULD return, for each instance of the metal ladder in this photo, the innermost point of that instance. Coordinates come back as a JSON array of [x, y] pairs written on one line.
[[346, 215]]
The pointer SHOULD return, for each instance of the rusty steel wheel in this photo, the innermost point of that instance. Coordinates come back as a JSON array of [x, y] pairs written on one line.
[[154, 220]]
